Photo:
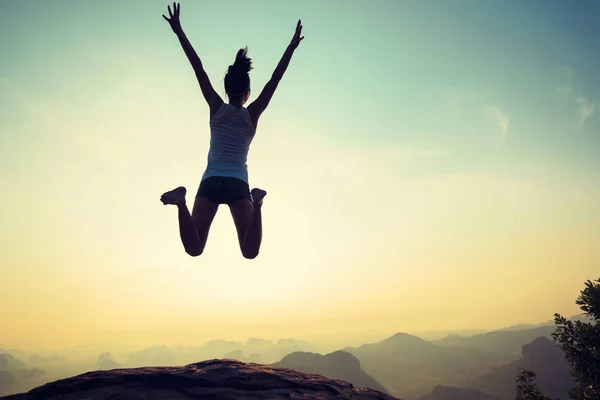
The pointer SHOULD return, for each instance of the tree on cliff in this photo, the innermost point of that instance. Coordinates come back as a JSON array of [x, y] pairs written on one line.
[[581, 343], [527, 388]]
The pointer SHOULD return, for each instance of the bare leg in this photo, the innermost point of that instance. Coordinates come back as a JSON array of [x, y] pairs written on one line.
[[247, 216], [193, 229], [253, 235]]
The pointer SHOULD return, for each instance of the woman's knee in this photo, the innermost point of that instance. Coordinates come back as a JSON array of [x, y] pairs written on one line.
[[250, 254], [195, 251]]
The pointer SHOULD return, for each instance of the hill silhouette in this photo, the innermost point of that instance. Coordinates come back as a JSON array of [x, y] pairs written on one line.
[[545, 358], [507, 340], [409, 366], [260, 350], [213, 379], [337, 365], [105, 361], [7, 381], [8, 362], [14, 373]]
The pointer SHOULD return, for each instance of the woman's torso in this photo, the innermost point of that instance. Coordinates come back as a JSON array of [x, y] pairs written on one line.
[[231, 133]]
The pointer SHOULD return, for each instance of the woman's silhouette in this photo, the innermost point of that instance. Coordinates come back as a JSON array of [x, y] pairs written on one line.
[[232, 128]]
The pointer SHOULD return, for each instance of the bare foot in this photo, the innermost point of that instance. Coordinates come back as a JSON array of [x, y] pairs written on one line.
[[258, 195], [175, 196]]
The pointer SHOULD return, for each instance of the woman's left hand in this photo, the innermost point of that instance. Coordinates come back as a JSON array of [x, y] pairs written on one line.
[[173, 19], [297, 38]]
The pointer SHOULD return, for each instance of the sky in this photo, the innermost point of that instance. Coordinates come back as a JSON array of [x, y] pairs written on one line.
[[430, 165]]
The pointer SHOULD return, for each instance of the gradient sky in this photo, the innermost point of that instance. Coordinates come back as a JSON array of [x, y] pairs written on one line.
[[430, 165]]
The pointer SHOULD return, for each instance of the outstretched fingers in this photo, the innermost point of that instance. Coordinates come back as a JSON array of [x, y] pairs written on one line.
[[173, 14], [299, 30], [168, 19]]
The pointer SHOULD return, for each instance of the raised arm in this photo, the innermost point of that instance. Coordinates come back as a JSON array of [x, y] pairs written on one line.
[[212, 98], [262, 101]]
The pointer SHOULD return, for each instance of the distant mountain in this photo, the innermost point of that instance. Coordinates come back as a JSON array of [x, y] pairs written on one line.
[[520, 327], [409, 366], [507, 341], [7, 380], [27, 374], [406, 342], [337, 365], [264, 351], [583, 318], [216, 349], [258, 345], [157, 355], [236, 354], [38, 360], [543, 357], [436, 335], [255, 358], [106, 362], [255, 349], [14, 374], [455, 393], [8, 362]]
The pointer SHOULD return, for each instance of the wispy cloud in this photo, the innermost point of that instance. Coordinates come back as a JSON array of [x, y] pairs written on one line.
[[565, 91], [570, 93], [500, 117], [586, 109]]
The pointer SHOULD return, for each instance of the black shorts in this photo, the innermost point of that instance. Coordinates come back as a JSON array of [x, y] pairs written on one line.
[[223, 189]]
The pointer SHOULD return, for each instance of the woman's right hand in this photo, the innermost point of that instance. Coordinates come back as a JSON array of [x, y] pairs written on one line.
[[173, 19]]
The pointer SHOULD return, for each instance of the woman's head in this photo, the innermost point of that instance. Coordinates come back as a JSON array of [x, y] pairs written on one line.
[[237, 79]]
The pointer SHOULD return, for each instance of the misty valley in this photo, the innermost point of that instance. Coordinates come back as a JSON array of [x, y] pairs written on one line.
[[476, 366]]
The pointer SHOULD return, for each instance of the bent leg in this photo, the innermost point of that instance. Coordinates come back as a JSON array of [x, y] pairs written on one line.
[[247, 216], [193, 228], [203, 214]]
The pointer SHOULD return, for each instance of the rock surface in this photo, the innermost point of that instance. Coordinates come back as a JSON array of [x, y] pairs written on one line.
[[214, 379]]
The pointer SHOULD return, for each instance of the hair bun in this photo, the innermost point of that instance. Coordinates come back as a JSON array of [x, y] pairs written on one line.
[[237, 79], [242, 64]]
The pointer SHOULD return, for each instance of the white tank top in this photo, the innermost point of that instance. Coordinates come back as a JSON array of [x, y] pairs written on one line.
[[231, 132]]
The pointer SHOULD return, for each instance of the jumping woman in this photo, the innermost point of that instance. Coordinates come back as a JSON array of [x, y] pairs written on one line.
[[232, 128]]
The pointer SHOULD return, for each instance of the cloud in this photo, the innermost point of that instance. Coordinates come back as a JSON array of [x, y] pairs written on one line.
[[586, 109], [569, 93], [565, 91], [500, 117]]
